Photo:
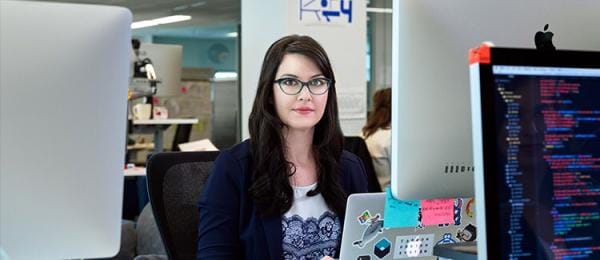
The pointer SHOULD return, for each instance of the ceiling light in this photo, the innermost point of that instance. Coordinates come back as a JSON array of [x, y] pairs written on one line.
[[142, 24], [162, 20], [196, 4], [172, 19], [232, 34], [180, 8]]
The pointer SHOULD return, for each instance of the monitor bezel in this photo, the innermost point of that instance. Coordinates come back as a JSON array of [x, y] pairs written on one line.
[[515, 57]]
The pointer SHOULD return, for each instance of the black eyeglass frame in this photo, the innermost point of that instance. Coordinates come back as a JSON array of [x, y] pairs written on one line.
[[304, 84]]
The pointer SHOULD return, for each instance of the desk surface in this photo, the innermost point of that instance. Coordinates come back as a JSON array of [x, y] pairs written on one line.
[[168, 121], [135, 171], [140, 146]]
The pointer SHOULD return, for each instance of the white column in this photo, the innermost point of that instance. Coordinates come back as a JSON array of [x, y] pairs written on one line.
[[339, 26]]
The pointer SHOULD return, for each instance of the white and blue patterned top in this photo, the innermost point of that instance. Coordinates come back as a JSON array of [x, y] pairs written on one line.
[[310, 229]]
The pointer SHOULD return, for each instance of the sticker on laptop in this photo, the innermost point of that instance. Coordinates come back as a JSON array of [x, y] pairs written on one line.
[[446, 239], [417, 245], [364, 217], [456, 210], [470, 210], [420, 220], [467, 234], [374, 228], [382, 248]]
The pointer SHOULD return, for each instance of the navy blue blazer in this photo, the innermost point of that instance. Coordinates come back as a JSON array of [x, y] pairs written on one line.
[[229, 227]]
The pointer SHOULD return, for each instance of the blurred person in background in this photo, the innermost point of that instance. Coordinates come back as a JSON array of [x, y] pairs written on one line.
[[378, 135]]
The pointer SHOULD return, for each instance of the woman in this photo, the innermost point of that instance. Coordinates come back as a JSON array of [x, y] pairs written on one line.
[[282, 193], [378, 135]]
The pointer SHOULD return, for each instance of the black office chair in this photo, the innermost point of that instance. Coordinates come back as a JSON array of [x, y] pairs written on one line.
[[175, 182], [357, 146]]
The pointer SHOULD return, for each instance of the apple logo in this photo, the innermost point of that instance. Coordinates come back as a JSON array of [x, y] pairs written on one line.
[[543, 40]]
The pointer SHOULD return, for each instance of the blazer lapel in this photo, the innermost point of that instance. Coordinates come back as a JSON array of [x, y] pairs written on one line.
[[273, 233]]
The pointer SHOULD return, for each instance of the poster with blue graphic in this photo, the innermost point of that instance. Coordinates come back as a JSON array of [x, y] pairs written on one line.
[[338, 12]]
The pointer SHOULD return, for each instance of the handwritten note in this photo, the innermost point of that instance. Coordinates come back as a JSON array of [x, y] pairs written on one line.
[[399, 213], [437, 211]]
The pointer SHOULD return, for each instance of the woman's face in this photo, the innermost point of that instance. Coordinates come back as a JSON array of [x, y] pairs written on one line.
[[301, 111]]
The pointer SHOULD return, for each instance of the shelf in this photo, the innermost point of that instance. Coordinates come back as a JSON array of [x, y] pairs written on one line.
[[144, 146], [168, 121]]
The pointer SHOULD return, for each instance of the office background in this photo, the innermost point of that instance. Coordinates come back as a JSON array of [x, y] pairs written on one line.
[[211, 41]]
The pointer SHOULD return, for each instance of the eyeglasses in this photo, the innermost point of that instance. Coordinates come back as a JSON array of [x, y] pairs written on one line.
[[293, 86]]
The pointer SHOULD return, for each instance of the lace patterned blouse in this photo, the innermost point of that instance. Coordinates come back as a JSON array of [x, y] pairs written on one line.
[[310, 229]]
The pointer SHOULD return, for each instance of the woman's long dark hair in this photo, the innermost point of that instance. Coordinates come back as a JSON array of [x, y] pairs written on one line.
[[381, 117], [270, 188]]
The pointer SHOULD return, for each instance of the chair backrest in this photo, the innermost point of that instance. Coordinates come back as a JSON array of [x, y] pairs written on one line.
[[175, 182], [357, 146]]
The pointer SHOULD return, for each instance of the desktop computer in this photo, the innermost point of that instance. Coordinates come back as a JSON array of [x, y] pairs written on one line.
[[63, 104], [536, 126], [431, 117]]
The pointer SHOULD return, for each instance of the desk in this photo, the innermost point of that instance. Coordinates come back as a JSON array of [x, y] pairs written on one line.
[[158, 126], [135, 171], [135, 192], [144, 146]]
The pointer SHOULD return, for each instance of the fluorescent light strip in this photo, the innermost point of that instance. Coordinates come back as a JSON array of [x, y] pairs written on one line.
[[201, 3], [172, 19], [162, 20], [142, 24], [379, 10]]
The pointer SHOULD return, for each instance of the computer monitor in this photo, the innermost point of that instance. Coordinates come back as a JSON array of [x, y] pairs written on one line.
[[536, 127], [63, 104], [166, 59], [431, 127]]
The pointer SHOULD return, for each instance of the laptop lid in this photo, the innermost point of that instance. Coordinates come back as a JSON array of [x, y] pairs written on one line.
[[365, 236], [536, 130]]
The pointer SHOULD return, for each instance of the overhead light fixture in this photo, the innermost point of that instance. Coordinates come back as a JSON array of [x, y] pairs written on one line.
[[162, 20], [142, 24], [172, 19], [196, 4], [379, 10], [184, 7], [180, 8], [232, 34]]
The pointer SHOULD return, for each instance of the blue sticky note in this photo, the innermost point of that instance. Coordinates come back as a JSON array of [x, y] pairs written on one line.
[[400, 213]]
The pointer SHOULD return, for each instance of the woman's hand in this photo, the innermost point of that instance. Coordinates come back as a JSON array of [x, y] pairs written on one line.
[[327, 258]]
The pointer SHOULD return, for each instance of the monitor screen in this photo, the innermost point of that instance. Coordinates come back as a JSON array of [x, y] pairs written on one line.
[[166, 59], [63, 105], [431, 125], [541, 136]]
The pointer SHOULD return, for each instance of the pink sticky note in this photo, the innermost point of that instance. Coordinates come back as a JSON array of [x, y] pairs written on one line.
[[438, 211]]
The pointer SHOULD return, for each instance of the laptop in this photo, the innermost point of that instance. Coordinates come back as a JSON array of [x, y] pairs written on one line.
[[365, 236], [536, 130]]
